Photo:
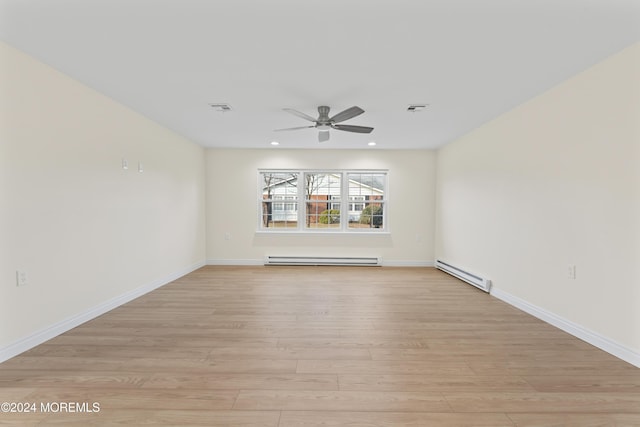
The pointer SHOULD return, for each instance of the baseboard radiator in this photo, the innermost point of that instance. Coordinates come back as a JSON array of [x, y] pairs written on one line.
[[308, 260], [472, 279]]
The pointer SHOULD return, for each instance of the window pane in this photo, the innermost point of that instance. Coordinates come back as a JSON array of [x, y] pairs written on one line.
[[372, 216], [366, 197], [322, 200], [280, 184], [278, 187]]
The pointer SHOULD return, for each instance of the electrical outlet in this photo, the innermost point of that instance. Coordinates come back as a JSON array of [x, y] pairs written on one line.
[[21, 278], [571, 271]]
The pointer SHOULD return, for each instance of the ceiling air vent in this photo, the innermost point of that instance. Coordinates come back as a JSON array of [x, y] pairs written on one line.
[[223, 108], [414, 108]]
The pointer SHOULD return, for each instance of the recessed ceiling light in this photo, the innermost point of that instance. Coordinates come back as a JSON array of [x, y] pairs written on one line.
[[414, 108], [223, 108], [371, 144], [275, 143]]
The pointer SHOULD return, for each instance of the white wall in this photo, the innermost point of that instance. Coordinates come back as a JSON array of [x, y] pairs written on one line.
[[232, 206], [555, 182], [83, 229]]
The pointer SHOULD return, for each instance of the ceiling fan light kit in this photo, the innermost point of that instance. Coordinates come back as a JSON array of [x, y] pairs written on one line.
[[324, 123]]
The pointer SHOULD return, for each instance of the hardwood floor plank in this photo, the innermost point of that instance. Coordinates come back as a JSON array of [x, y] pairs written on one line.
[[243, 381], [25, 362], [628, 383], [352, 342], [146, 342], [22, 419], [116, 351], [340, 401], [558, 367], [234, 331], [14, 393], [575, 420], [472, 354], [434, 383], [390, 419], [182, 418], [374, 367], [232, 353], [147, 399], [511, 345], [76, 378], [207, 366], [545, 402]]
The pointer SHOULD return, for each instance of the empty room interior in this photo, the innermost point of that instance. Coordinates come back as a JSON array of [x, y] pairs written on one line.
[[320, 214]]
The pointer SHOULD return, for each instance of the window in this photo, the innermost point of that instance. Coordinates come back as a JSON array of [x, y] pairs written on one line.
[[370, 188], [279, 200], [322, 197], [334, 200]]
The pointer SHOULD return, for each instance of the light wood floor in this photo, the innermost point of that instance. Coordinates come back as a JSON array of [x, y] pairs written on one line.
[[322, 346]]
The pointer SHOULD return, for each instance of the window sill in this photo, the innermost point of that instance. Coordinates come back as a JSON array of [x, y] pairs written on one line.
[[321, 233]]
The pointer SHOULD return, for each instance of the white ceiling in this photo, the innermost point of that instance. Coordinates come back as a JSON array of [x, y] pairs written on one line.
[[470, 60]]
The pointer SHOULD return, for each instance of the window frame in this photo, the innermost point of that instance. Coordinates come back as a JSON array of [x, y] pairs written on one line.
[[345, 202]]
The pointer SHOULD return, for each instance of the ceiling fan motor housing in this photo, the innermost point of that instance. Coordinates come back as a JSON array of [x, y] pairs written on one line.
[[323, 112], [324, 123]]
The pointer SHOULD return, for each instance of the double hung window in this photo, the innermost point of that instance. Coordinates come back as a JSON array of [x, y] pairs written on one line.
[[321, 200]]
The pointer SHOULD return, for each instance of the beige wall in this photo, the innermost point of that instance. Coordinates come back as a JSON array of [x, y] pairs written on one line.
[[232, 206], [83, 229], [555, 182]]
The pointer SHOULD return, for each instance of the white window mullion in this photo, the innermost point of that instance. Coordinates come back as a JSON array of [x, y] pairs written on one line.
[[344, 202], [302, 203]]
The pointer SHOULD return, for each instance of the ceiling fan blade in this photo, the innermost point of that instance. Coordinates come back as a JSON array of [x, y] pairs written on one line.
[[323, 136], [347, 114], [299, 114], [351, 128], [296, 128]]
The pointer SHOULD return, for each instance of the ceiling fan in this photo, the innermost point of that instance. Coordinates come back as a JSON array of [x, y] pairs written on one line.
[[323, 123]]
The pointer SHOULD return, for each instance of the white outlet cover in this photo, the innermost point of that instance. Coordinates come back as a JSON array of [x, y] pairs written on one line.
[[21, 278]]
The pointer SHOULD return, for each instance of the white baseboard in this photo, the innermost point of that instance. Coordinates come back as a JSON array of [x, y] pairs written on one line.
[[593, 338], [401, 263], [385, 262], [235, 262], [58, 328]]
